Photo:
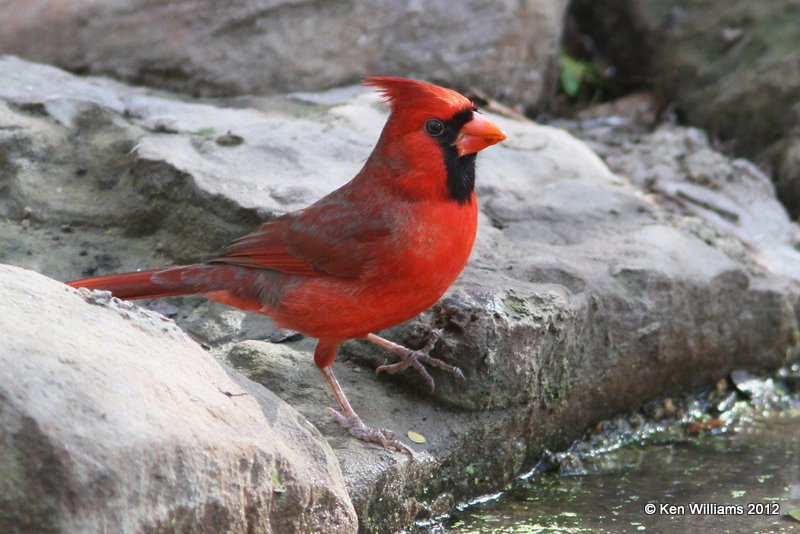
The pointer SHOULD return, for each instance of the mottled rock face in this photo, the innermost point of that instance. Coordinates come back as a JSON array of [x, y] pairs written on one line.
[[734, 71], [588, 293], [500, 47], [111, 415]]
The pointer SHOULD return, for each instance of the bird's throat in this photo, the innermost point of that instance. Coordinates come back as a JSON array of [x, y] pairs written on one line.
[[460, 175]]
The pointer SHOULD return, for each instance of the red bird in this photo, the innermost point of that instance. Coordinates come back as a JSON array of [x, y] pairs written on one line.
[[376, 252]]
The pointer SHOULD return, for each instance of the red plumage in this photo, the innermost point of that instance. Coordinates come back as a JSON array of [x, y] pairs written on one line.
[[373, 253]]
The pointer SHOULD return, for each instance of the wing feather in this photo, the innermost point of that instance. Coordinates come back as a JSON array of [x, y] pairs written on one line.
[[332, 237]]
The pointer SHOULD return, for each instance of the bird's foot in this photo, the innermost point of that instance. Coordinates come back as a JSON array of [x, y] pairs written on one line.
[[415, 358], [380, 436]]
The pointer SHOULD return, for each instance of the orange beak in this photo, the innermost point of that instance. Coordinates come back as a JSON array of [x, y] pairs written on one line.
[[478, 134]]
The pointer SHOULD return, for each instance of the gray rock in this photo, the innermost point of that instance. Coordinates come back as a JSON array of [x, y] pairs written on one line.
[[733, 199], [587, 293], [112, 418], [787, 171], [734, 71], [505, 48]]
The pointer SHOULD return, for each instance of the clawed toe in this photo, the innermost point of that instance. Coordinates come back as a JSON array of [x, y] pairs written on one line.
[[415, 359], [380, 436]]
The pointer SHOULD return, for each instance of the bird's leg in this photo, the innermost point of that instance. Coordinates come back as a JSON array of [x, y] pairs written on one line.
[[353, 423], [415, 358]]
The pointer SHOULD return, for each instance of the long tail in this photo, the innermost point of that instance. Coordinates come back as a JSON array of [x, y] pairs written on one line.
[[244, 287], [143, 284]]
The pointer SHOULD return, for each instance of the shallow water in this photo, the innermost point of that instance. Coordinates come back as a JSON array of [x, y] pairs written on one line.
[[743, 476]]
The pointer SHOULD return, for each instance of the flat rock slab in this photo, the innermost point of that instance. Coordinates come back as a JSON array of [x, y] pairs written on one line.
[[588, 293]]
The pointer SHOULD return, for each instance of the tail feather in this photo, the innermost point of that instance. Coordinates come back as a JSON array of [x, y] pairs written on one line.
[[141, 284]]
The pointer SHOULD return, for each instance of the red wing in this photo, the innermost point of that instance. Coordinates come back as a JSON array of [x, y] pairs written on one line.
[[265, 248], [328, 238]]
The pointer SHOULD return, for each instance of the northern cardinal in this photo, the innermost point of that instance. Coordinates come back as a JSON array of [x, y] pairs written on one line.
[[373, 253]]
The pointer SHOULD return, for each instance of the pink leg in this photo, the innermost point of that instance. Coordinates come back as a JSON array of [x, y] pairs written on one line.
[[349, 419]]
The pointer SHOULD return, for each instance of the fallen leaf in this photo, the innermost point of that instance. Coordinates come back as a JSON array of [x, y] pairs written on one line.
[[416, 437]]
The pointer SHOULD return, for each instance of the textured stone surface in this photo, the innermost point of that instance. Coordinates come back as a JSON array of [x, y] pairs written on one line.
[[734, 71], [506, 48], [112, 418], [587, 293]]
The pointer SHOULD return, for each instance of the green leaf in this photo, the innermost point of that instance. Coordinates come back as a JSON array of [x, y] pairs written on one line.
[[794, 514], [277, 483], [572, 74]]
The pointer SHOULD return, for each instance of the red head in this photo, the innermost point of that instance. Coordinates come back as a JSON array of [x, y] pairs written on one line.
[[431, 138]]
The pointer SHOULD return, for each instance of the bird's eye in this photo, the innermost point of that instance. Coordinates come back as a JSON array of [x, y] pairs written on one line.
[[435, 127]]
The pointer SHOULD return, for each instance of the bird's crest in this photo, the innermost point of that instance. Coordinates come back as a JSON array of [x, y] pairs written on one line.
[[402, 90]]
